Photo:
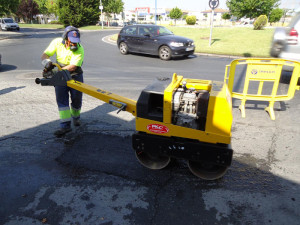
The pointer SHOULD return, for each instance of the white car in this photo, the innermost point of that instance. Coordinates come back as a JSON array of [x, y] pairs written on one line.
[[8, 24], [286, 41]]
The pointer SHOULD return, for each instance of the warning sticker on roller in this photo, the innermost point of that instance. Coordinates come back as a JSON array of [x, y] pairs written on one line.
[[157, 128]]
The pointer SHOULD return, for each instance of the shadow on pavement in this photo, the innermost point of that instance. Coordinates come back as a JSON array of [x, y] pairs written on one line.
[[6, 67], [7, 90], [96, 163]]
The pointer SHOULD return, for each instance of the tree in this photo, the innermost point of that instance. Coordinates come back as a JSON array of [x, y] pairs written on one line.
[[176, 14], [226, 16], [78, 12], [275, 15], [112, 6], [8, 7], [251, 8], [160, 18], [47, 6], [27, 10], [284, 13], [52, 6], [42, 6]]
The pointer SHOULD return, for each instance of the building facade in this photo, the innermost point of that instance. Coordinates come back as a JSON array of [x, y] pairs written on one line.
[[147, 15]]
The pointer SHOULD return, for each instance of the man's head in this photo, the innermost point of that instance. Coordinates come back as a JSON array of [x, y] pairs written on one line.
[[74, 36], [71, 37]]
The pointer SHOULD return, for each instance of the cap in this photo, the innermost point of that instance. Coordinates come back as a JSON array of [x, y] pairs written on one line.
[[74, 36]]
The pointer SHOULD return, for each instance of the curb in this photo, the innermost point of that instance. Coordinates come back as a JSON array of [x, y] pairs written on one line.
[[220, 56], [108, 40]]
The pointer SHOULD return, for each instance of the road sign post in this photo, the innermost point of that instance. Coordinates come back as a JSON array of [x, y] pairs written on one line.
[[213, 4]]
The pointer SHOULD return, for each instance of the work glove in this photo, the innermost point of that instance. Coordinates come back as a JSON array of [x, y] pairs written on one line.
[[47, 65]]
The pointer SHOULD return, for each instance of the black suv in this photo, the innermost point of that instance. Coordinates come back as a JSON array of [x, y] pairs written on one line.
[[153, 40]]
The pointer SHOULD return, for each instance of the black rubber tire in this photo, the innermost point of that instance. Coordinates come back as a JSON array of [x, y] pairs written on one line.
[[276, 49], [123, 47], [165, 53]]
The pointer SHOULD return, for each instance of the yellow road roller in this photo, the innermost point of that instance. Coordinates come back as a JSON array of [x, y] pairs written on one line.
[[180, 118]]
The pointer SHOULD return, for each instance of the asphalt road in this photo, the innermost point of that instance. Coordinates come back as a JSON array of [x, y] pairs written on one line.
[[92, 175]]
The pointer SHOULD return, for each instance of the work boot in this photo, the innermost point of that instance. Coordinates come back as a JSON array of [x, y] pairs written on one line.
[[62, 131], [76, 122]]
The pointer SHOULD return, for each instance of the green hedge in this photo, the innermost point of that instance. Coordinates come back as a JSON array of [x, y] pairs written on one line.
[[54, 22], [260, 22], [191, 20]]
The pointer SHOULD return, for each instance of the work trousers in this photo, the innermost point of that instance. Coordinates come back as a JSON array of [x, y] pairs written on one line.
[[63, 94]]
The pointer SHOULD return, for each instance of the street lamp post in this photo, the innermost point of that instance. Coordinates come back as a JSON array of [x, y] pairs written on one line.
[[101, 8], [155, 11]]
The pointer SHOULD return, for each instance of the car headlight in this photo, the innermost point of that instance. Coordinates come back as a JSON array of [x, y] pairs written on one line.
[[176, 44]]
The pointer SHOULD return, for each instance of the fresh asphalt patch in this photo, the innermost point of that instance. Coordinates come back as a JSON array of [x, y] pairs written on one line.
[[114, 155], [111, 154]]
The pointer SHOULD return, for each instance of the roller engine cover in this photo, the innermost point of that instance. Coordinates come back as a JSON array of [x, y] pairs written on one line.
[[190, 108]]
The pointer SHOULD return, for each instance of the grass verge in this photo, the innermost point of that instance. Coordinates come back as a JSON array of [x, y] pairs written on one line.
[[238, 41], [57, 26], [41, 26]]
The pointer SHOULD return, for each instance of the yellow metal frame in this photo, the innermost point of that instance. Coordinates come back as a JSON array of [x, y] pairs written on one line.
[[168, 96], [262, 70], [176, 82], [118, 101]]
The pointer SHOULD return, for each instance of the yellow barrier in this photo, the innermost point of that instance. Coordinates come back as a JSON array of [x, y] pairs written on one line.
[[262, 70]]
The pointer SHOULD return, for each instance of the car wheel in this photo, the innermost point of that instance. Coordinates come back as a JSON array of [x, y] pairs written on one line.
[[276, 49], [123, 48], [18, 28], [164, 53]]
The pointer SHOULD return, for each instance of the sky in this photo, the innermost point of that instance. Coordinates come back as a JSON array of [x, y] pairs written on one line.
[[193, 5]]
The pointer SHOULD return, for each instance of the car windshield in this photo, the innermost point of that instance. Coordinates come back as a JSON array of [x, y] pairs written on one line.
[[159, 31], [8, 20]]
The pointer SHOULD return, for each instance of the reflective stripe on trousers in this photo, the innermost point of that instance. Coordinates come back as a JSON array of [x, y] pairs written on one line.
[[75, 113], [64, 114]]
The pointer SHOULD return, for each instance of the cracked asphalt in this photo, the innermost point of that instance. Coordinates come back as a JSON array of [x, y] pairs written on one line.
[[92, 176]]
